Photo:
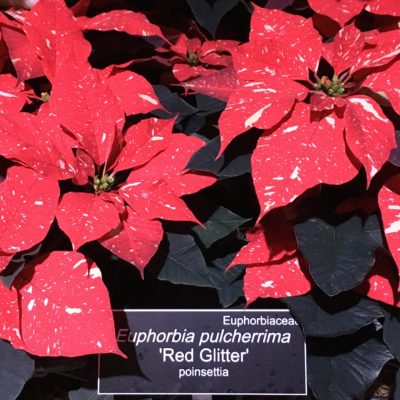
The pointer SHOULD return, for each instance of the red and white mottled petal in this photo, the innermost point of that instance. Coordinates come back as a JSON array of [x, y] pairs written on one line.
[[115, 199], [28, 204], [389, 204], [369, 134], [130, 22], [9, 316], [62, 297], [22, 54], [258, 105], [85, 217], [85, 162], [277, 33], [190, 182], [134, 92], [319, 101], [179, 46], [220, 84], [339, 10], [143, 141], [248, 67], [256, 251], [303, 154], [217, 46], [387, 82], [11, 99], [193, 45], [285, 279], [271, 240], [384, 47], [184, 72], [136, 240], [54, 33], [345, 50], [170, 164], [86, 107], [384, 7], [217, 60], [156, 200], [38, 142], [379, 284]]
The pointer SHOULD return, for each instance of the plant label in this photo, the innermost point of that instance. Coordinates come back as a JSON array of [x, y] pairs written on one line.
[[205, 352]]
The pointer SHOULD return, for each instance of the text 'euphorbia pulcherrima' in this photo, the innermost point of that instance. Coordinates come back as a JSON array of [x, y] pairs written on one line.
[[118, 182], [313, 100]]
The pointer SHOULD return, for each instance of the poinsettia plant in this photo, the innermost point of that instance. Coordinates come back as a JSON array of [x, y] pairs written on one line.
[[198, 154], [117, 183]]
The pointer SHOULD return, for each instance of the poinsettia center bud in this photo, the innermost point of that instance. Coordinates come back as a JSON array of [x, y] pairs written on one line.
[[192, 58], [45, 96], [332, 87], [103, 184]]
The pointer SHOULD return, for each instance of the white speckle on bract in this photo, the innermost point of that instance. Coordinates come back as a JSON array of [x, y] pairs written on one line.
[[99, 345], [157, 138], [295, 173], [95, 272], [368, 107], [31, 304], [290, 129], [79, 263], [255, 117], [39, 202], [145, 97], [104, 137], [5, 94], [131, 184], [331, 121], [268, 284], [393, 227], [251, 84], [71, 311], [17, 332]]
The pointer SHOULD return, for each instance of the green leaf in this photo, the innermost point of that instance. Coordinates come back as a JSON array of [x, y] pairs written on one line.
[[16, 368], [339, 256], [221, 223], [340, 370], [320, 315]]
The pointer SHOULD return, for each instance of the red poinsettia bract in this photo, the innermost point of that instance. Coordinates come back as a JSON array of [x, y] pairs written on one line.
[[343, 11], [318, 128], [118, 183], [275, 267]]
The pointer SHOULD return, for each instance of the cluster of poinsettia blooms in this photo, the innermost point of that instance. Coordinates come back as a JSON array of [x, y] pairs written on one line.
[[78, 134], [74, 159], [318, 127]]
